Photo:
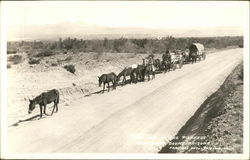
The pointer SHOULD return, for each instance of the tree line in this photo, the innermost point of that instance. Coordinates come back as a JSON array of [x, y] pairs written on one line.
[[123, 45]]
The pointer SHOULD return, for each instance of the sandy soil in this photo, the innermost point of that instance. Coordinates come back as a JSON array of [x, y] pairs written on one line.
[[27, 81], [137, 118]]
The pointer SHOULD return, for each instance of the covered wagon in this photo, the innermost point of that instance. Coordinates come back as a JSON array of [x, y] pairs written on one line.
[[196, 51]]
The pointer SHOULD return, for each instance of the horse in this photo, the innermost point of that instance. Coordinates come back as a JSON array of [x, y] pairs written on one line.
[[166, 61], [107, 78], [186, 56], [149, 69], [139, 72], [127, 71], [157, 63], [193, 57], [179, 60], [43, 99], [165, 65], [174, 60]]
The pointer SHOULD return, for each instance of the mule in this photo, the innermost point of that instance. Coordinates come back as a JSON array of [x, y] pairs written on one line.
[[157, 63], [180, 60], [139, 72], [166, 66], [107, 78], [193, 57], [149, 69], [43, 99], [186, 57], [127, 71]]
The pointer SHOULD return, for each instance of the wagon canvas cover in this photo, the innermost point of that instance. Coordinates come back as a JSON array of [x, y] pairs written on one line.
[[197, 47]]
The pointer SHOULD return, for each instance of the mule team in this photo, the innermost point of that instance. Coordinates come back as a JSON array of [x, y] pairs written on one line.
[[149, 66], [136, 72]]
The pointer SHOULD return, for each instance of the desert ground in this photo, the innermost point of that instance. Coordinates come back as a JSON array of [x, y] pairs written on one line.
[[136, 118]]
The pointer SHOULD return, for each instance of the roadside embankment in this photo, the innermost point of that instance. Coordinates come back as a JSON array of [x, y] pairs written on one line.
[[217, 126]]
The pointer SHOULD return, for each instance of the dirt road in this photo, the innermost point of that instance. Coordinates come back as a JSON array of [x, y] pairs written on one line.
[[132, 119]]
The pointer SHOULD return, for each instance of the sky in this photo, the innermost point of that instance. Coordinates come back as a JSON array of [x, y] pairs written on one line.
[[154, 14]]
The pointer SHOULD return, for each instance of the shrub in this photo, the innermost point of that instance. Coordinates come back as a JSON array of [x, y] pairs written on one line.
[[70, 68], [45, 53], [11, 52], [34, 61], [54, 64], [16, 59], [69, 58]]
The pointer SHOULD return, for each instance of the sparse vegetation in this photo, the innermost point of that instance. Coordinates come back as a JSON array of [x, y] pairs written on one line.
[[45, 53], [16, 59], [54, 64], [70, 68], [34, 61], [122, 45]]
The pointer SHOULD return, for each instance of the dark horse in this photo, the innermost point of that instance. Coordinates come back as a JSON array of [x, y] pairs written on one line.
[[165, 65], [193, 57], [157, 63], [106, 78], [128, 71], [166, 61], [139, 71], [44, 99]]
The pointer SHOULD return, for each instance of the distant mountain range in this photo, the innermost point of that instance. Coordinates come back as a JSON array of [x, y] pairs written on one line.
[[84, 31]]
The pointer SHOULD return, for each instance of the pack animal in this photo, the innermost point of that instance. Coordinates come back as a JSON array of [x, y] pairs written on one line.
[[43, 99], [139, 72], [157, 63], [106, 79], [127, 71], [166, 61], [149, 69]]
